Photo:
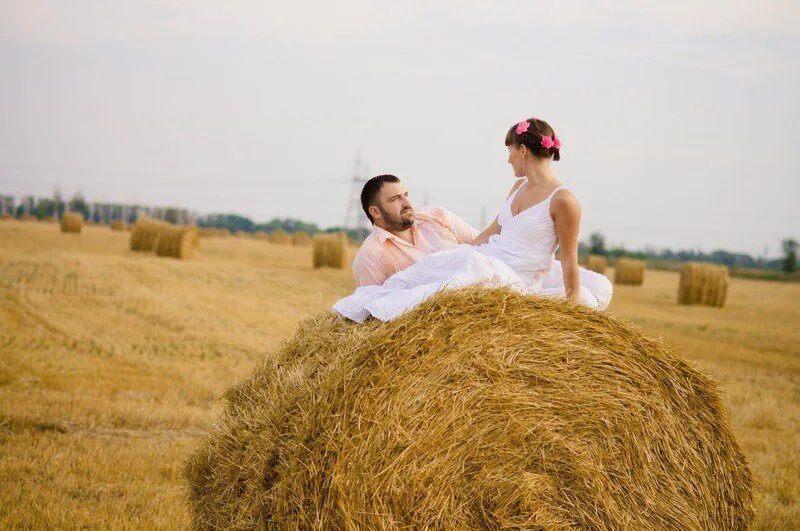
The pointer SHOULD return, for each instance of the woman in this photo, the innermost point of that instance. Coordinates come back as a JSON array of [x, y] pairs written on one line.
[[516, 250]]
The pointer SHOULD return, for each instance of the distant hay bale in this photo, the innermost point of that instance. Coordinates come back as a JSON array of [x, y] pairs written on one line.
[[145, 233], [119, 225], [72, 222], [629, 271], [596, 263], [703, 283], [479, 409], [280, 237], [301, 238], [330, 250], [178, 241], [260, 235]]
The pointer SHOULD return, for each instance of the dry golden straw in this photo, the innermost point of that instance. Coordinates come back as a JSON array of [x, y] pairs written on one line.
[[479, 409], [119, 225], [50, 219], [214, 232], [280, 237], [178, 241], [703, 283], [596, 263], [260, 235], [629, 271], [28, 217], [301, 238], [330, 250], [145, 233], [72, 222]]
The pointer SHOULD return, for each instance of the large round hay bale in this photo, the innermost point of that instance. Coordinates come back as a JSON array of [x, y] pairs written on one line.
[[280, 237], [629, 271], [301, 238], [703, 283], [145, 233], [330, 250], [479, 409], [119, 225], [178, 241], [596, 263], [72, 222]]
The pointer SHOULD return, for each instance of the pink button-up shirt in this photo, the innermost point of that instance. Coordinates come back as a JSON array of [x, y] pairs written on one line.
[[383, 254]]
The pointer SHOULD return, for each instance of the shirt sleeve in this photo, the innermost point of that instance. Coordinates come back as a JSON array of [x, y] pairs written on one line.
[[366, 272], [462, 230]]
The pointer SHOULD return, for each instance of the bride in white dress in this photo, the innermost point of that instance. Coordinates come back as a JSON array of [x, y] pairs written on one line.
[[517, 250]]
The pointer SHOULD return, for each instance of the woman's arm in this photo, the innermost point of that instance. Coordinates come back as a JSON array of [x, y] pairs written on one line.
[[494, 228], [566, 213], [483, 237]]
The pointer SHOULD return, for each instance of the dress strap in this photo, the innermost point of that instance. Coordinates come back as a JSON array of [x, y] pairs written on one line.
[[556, 190]]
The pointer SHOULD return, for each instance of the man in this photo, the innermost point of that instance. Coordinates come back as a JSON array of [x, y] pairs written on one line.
[[401, 235]]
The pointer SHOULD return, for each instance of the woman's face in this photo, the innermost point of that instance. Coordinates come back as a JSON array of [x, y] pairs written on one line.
[[516, 154]]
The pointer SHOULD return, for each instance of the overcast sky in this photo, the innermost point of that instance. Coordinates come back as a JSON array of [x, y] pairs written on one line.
[[680, 120]]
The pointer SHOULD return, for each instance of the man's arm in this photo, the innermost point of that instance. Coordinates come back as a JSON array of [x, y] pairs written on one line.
[[462, 230]]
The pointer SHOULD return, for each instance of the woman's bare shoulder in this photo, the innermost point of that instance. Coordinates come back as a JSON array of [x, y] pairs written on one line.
[[565, 201]]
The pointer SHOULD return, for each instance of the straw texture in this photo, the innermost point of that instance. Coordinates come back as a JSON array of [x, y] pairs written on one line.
[[479, 409], [703, 283], [72, 222], [629, 271]]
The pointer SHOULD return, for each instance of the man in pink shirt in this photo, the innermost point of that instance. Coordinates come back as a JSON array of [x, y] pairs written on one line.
[[400, 234]]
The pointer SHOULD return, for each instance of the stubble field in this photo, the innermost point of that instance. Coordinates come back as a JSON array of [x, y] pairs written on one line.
[[111, 363]]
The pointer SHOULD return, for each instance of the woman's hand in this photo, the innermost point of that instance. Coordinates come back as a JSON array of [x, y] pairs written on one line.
[[491, 230], [566, 212]]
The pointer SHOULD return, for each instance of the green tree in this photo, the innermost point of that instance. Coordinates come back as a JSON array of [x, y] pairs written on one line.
[[789, 255], [79, 204], [597, 244]]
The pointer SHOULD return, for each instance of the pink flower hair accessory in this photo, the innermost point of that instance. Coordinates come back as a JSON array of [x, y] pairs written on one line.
[[522, 127], [551, 142]]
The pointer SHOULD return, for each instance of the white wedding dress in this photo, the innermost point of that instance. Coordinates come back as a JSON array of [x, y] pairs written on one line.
[[520, 256]]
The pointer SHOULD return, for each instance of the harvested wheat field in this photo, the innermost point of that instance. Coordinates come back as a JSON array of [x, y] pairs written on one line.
[[112, 363]]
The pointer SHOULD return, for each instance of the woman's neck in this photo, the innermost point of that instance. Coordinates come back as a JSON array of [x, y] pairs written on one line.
[[539, 173]]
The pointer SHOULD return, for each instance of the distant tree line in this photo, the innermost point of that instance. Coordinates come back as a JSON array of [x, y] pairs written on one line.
[[787, 263], [56, 206], [238, 223], [104, 212]]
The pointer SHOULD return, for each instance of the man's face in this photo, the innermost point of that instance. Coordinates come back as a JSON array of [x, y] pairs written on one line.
[[395, 212]]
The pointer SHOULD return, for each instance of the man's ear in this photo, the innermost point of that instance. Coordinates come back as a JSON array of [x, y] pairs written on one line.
[[375, 212]]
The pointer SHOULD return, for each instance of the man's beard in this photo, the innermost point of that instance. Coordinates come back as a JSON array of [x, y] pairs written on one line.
[[396, 223]]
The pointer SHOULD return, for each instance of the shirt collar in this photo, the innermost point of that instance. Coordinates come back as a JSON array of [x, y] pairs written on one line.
[[384, 234]]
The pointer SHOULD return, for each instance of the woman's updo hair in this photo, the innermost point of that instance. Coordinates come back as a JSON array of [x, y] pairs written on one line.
[[532, 138]]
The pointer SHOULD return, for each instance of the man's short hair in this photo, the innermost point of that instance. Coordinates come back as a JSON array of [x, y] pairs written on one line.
[[371, 189]]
